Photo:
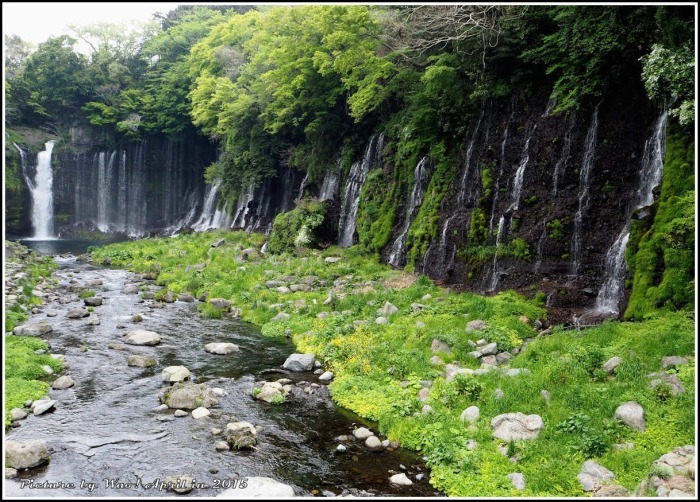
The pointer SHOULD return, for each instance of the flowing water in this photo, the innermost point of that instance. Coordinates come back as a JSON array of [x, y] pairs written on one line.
[[583, 196], [329, 187], [105, 427], [41, 190], [520, 173], [351, 195], [494, 270], [420, 182], [612, 289]]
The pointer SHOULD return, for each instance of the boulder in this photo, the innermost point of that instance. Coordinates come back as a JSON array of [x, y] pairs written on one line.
[[33, 329], [282, 316], [180, 413], [299, 362], [186, 297], [221, 348], [326, 376], [632, 415], [221, 446], [593, 476], [62, 383], [490, 349], [258, 488], [503, 357], [476, 325], [673, 361], [25, 454], [333, 259], [241, 435], [142, 337], [93, 301], [174, 374], [189, 396], [77, 313], [388, 309], [362, 433], [400, 479], [130, 289], [516, 426], [373, 443], [439, 346], [220, 303], [270, 391], [17, 414], [381, 320], [200, 412], [470, 415], [42, 406], [141, 361], [218, 243], [517, 480], [179, 484], [611, 365]]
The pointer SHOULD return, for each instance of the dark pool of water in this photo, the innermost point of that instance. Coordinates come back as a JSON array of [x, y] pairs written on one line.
[[62, 246], [104, 428]]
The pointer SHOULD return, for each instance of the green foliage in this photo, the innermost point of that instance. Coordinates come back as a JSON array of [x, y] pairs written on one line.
[[661, 260], [556, 230], [468, 386], [298, 228], [86, 293], [661, 470], [668, 76], [377, 209], [478, 229]]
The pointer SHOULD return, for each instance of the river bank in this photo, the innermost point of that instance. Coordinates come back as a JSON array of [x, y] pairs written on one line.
[[439, 370], [107, 436]]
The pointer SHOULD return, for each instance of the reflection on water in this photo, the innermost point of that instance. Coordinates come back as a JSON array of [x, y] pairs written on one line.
[[61, 246]]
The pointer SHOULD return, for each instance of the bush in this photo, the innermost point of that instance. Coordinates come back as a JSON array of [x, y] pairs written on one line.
[[299, 228], [468, 386]]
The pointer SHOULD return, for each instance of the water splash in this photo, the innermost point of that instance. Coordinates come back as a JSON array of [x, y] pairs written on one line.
[[560, 166], [205, 219], [494, 270], [330, 185], [302, 187]]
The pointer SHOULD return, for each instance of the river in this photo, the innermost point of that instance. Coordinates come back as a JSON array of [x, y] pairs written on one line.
[[104, 430]]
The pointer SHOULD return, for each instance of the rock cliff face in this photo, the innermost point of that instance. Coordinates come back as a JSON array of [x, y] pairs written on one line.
[[536, 200]]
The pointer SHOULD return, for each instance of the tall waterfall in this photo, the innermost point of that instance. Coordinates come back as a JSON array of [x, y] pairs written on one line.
[[464, 190], [497, 185], [302, 187], [420, 182], [520, 172], [351, 195], [610, 293], [41, 191], [329, 187], [583, 196]]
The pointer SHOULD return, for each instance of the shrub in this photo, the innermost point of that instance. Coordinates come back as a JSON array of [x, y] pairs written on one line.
[[298, 228], [468, 386]]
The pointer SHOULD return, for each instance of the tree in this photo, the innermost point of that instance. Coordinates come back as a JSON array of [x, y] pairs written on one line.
[[669, 77]]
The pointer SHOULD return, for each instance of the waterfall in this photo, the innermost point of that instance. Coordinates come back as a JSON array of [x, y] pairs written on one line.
[[561, 164], [41, 191], [583, 197], [610, 293], [205, 219], [420, 179], [301, 188], [122, 196], [494, 272], [351, 195], [242, 209], [540, 246], [497, 186], [464, 194], [329, 187], [221, 218], [520, 172]]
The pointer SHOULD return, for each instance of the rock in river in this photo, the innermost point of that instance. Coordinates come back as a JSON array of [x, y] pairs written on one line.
[[221, 348], [93, 301], [189, 396], [299, 362], [175, 374], [141, 361], [63, 382], [142, 337], [258, 487], [33, 329], [25, 454], [42, 406]]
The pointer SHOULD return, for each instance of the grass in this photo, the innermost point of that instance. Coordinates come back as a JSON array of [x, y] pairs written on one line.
[[379, 368], [23, 368]]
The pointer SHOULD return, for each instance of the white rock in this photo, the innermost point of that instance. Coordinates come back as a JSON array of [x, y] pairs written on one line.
[[63, 382], [221, 348], [470, 415], [142, 337], [632, 415], [326, 377], [517, 480], [516, 426], [200, 413], [174, 374], [400, 479], [373, 443], [42, 406], [299, 362], [362, 433], [258, 487]]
